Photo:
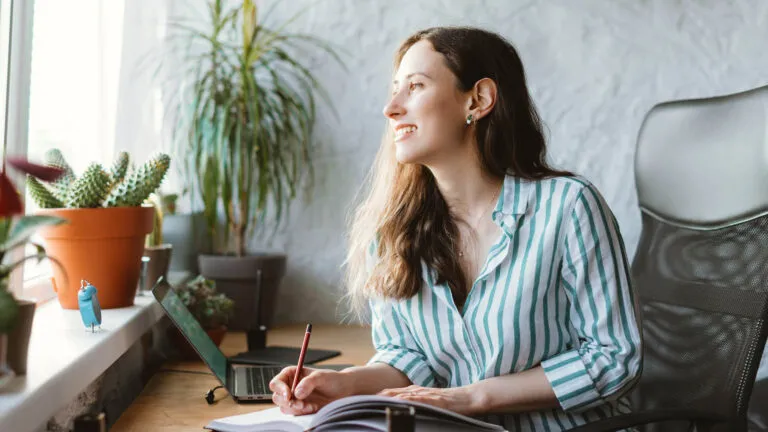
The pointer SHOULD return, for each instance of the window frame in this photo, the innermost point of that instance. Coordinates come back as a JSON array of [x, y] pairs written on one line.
[[16, 116]]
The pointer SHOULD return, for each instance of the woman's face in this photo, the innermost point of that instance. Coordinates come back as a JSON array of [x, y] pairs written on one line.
[[426, 110]]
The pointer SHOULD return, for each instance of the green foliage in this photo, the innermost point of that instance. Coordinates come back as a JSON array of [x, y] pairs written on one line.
[[243, 114], [124, 185], [211, 309], [16, 234]]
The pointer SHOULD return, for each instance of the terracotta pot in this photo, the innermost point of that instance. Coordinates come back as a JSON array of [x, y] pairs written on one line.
[[101, 245], [186, 352], [159, 258], [18, 338]]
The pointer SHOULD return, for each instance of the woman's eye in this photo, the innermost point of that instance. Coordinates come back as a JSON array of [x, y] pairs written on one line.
[[414, 85]]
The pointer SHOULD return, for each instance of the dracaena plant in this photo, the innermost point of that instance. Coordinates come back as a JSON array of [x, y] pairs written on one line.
[[16, 229], [242, 112]]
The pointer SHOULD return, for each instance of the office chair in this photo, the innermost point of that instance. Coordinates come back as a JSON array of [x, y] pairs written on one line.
[[701, 265]]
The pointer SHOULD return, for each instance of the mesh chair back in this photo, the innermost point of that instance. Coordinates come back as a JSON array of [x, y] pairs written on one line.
[[701, 265]]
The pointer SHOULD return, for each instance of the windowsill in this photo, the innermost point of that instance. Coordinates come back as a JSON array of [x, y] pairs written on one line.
[[64, 358]]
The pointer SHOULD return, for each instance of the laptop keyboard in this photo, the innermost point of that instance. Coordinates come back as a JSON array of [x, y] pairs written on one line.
[[257, 378]]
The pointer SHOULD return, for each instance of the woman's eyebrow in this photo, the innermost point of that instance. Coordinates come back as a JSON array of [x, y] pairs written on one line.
[[412, 74]]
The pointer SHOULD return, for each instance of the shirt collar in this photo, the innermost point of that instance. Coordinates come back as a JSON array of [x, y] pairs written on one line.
[[512, 202]]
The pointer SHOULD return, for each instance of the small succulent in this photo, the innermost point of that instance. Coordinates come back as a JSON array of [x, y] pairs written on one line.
[[155, 238], [211, 308], [122, 186]]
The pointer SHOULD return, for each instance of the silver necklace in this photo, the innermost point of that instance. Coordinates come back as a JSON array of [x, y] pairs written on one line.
[[493, 200]]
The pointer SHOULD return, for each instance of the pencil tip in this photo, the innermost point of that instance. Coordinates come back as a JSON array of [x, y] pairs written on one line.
[[309, 328]]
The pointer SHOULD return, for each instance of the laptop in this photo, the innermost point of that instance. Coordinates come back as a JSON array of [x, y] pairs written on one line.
[[244, 382]]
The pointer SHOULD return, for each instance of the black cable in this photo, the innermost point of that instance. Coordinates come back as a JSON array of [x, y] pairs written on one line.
[[209, 396]]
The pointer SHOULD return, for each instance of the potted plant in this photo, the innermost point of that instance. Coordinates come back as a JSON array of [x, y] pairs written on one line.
[[245, 120], [211, 309], [16, 315], [156, 251], [104, 240], [186, 232]]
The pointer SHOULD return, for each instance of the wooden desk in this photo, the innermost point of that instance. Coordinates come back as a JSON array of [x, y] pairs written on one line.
[[174, 401]]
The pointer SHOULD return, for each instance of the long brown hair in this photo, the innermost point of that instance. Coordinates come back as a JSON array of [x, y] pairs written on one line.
[[404, 214]]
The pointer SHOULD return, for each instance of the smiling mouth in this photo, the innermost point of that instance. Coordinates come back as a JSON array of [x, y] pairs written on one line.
[[404, 132]]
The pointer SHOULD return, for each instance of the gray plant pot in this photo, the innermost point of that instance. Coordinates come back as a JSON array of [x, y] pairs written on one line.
[[189, 236], [251, 282], [159, 259], [18, 338]]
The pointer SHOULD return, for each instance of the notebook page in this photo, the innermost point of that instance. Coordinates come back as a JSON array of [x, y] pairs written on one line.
[[272, 418]]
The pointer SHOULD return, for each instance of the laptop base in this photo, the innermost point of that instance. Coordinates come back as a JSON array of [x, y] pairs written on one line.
[[280, 355]]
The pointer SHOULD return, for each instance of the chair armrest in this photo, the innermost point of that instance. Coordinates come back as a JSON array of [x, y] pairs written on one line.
[[640, 418]]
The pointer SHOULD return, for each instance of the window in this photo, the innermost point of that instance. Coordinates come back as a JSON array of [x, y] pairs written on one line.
[[75, 55]]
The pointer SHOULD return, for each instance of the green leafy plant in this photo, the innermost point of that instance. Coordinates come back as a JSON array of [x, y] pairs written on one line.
[[211, 308], [120, 186], [16, 230], [243, 114]]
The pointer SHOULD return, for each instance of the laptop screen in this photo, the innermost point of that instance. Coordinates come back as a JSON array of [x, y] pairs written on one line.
[[191, 329]]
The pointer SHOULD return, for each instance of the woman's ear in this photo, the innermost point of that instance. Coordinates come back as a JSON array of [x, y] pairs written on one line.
[[483, 98]]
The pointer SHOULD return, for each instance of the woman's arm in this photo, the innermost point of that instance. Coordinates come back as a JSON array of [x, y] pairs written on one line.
[[524, 391], [373, 378], [606, 357]]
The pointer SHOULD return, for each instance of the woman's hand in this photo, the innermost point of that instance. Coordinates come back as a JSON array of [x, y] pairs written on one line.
[[456, 399], [316, 388]]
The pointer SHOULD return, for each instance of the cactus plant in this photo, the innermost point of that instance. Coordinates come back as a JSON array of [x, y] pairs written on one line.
[[121, 186], [120, 167], [90, 189], [41, 195], [140, 183], [155, 238], [60, 187]]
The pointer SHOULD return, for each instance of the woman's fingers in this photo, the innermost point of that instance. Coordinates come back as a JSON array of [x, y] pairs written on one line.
[[308, 385], [282, 381]]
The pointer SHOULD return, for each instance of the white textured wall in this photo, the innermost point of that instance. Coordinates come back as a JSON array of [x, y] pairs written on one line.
[[595, 67]]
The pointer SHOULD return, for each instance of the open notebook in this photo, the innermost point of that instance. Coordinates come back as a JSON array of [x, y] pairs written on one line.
[[353, 413]]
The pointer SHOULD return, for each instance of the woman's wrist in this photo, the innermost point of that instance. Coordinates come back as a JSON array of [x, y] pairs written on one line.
[[349, 377], [478, 400]]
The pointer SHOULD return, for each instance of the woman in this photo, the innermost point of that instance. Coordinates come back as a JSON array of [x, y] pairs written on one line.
[[498, 286]]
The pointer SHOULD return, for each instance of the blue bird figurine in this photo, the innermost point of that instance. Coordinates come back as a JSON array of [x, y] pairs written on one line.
[[88, 303]]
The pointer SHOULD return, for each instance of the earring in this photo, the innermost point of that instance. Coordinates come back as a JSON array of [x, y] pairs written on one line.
[[469, 119]]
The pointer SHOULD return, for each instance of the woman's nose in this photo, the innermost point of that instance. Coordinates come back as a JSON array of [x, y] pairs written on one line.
[[393, 109]]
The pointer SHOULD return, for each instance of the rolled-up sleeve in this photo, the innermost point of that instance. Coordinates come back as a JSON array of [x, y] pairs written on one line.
[[396, 346], [607, 357]]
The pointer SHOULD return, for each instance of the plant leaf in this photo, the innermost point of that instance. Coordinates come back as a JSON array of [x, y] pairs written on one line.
[[26, 226]]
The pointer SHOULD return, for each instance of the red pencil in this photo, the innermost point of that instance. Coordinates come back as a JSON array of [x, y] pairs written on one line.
[[301, 360]]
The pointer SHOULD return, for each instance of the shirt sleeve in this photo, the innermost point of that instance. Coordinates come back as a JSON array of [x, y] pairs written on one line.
[[395, 344], [392, 338], [607, 358]]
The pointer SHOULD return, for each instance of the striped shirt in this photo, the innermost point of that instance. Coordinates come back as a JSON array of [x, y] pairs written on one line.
[[554, 291]]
